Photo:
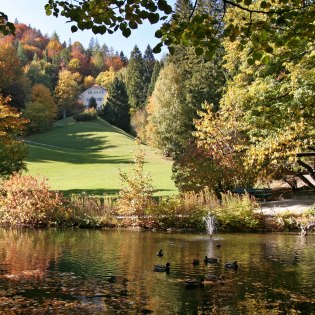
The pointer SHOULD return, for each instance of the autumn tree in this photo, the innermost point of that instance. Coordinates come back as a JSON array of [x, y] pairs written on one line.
[[267, 113], [12, 150], [54, 47], [41, 110], [116, 109], [66, 92], [12, 80], [135, 197], [88, 81], [105, 78]]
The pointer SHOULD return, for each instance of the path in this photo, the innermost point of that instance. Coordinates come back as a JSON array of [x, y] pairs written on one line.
[[296, 203]]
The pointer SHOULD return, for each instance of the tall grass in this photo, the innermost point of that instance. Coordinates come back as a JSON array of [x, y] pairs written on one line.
[[26, 200]]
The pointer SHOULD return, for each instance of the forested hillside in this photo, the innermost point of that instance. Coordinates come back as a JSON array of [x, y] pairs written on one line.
[[236, 117]]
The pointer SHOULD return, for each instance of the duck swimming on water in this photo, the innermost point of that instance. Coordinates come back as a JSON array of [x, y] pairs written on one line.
[[231, 265], [162, 268], [160, 253], [193, 283], [210, 260]]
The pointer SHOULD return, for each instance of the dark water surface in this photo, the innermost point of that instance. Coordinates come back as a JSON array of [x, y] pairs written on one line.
[[111, 272]]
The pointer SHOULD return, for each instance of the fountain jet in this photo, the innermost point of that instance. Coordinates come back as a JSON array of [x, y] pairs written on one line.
[[211, 223]]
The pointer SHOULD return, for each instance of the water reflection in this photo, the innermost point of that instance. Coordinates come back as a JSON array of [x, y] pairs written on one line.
[[68, 271]]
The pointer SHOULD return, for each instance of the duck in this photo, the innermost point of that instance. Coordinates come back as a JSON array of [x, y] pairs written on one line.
[[231, 265], [162, 268], [218, 245], [160, 253], [210, 260], [194, 283], [195, 262]]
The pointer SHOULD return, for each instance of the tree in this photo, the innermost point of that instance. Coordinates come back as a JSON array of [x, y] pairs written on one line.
[[170, 123], [66, 92], [105, 78], [201, 30], [155, 74], [136, 195], [267, 114], [12, 150], [54, 47], [38, 72], [12, 80], [92, 103], [149, 62], [41, 110], [195, 169], [136, 87], [88, 82], [116, 109]]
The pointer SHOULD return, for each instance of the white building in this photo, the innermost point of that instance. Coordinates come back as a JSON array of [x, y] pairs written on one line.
[[95, 91]]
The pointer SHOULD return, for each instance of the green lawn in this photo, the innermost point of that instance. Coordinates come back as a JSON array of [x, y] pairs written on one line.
[[87, 156]]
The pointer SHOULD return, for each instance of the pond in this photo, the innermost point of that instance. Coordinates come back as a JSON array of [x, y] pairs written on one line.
[[65, 271]]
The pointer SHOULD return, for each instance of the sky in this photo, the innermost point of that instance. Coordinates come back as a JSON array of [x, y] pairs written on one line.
[[32, 12]]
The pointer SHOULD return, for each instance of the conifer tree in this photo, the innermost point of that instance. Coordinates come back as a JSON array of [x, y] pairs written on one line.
[[155, 73], [135, 80], [92, 103], [116, 109]]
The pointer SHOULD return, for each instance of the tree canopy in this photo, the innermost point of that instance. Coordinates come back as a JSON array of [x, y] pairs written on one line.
[[199, 29]]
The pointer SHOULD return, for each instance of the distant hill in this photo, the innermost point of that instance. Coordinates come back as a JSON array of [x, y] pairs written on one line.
[[87, 156]]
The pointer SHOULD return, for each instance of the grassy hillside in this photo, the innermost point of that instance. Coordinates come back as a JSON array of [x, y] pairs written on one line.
[[87, 156]]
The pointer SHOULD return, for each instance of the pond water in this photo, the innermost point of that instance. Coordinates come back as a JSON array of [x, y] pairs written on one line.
[[65, 271]]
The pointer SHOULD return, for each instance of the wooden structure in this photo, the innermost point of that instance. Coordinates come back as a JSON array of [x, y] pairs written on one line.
[[309, 169]]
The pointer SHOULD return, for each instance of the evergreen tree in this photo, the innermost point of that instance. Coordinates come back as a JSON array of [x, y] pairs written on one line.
[[149, 61], [92, 103], [123, 58], [21, 54], [155, 73], [116, 109], [136, 80]]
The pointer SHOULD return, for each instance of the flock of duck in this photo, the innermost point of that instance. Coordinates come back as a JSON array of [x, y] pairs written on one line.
[[189, 283]]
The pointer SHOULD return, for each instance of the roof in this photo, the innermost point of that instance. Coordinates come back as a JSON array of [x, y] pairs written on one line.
[[94, 87]]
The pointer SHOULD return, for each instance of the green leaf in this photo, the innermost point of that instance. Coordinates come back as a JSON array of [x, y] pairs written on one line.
[[247, 2], [74, 28], [265, 59], [157, 48], [171, 49], [154, 18], [257, 55], [126, 32], [158, 34], [263, 5], [250, 61], [269, 49], [199, 51], [133, 24]]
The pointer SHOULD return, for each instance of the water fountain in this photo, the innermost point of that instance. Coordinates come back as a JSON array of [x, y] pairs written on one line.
[[211, 223]]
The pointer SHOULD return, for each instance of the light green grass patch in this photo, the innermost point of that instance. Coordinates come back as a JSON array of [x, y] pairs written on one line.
[[87, 156]]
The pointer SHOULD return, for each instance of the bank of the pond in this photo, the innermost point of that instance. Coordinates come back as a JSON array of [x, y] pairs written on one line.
[[28, 201]]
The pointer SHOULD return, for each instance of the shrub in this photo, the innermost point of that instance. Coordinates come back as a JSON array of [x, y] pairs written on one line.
[[87, 114], [26, 200], [91, 211], [136, 196], [237, 212]]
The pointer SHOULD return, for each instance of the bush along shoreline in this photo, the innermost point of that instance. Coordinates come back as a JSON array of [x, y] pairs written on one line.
[[28, 201]]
